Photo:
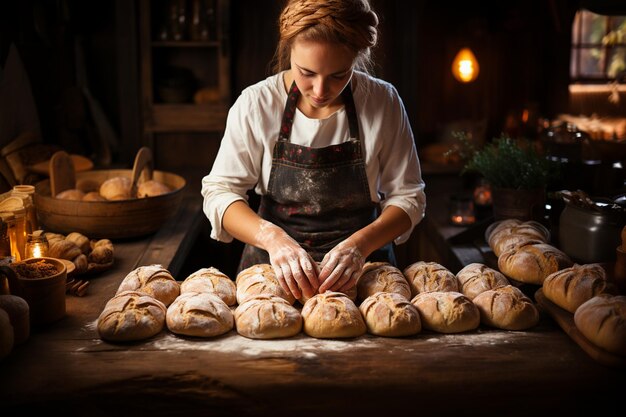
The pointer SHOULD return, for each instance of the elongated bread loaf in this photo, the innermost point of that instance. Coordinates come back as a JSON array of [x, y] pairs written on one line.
[[446, 311], [131, 316], [476, 278], [200, 314], [429, 276], [259, 279], [267, 316], [332, 315], [570, 287], [532, 262], [390, 314], [506, 236], [383, 278], [602, 320], [506, 308], [211, 280], [153, 280]]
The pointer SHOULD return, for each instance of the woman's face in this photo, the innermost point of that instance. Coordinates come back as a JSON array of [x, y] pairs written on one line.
[[321, 71]]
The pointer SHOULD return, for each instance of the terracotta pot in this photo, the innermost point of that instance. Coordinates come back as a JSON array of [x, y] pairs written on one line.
[[45, 296], [509, 203]]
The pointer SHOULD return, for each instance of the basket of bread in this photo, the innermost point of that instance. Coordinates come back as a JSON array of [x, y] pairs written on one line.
[[112, 204]]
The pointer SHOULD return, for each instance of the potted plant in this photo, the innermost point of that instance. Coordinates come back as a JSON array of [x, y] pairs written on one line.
[[517, 172]]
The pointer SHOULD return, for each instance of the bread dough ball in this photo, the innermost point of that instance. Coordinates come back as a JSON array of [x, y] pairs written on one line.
[[332, 315], [116, 188], [446, 312], [506, 308], [267, 316], [152, 188], [429, 276], [19, 315], [131, 316], [211, 280], [390, 314], [93, 196], [153, 280], [71, 194], [476, 278], [200, 314]]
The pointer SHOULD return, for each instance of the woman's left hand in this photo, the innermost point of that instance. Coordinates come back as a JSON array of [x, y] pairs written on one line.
[[341, 267]]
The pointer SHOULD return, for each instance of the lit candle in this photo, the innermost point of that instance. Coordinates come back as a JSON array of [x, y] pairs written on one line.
[[36, 246], [462, 211]]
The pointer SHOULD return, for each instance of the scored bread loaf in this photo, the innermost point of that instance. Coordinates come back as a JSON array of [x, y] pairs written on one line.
[[211, 280], [570, 287], [351, 293], [446, 311], [602, 320], [267, 316], [19, 314], [382, 278], [532, 262], [506, 236], [332, 315], [153, 280], [200, 314], [476, 278], [259, 279], [506, 308], [429, 276], [131, 316], [390, 315]]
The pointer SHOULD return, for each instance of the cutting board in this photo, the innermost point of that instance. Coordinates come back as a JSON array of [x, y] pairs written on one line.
[[62, 173], [565, 320]]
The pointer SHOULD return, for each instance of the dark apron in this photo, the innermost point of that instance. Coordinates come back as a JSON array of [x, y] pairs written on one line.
[[319, 196]]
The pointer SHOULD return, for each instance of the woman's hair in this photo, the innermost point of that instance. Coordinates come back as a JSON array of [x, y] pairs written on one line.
[[352, 23]]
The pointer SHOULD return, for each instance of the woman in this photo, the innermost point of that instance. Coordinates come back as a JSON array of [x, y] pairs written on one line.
[[327, 147]]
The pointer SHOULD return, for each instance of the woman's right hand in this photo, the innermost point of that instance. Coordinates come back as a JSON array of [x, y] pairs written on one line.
[[295, 270]]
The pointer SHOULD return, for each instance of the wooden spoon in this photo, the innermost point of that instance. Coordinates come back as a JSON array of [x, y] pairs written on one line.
[[143, 161], [62, 173]]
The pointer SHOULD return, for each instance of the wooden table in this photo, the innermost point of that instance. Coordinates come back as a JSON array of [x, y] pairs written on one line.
[[66, 368]]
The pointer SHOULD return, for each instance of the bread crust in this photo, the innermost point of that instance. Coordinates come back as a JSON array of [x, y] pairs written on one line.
[[429, 276], [199, 314], [383, 278], [476, 278], [153, 280], [532, 262], [131, 316], [571, 287], [267, 316], [211, 280], [446, 311], [390, 315], [602, 320], [507, 308], [332, 315]]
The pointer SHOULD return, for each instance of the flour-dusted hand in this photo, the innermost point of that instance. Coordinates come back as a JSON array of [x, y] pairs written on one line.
[[341, 267], [294, 268]]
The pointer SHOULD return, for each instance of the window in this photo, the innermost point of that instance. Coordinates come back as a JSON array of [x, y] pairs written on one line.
[[598, 48]]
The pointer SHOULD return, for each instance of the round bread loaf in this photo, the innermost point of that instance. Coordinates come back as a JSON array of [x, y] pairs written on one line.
[[332, 315], [446, 311], [369, 265], [267, 316], [476, 278], [211, 280], [602, 320], [19, 314], [200, 314], [93, 196], [532, 262], [6, 335], [152, 188], [351, 293], [383, 278], [259, 279], [506, 308], [71, 194], [153, 280], [570, 287], [429, 276], [390, 315], [131, 316], [506, 237], [116, 188]]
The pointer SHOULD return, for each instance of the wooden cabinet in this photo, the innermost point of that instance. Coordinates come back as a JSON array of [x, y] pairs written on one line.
[[185, 79]]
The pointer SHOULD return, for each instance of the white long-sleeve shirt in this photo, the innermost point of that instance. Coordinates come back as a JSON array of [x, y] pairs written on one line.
[[244, 159]]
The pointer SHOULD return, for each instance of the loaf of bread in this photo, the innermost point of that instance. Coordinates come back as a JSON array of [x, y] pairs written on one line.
[[102, 252], [507, 235], [71, 194], [446, 311], [19, 315], [199, 314], [153, 280], [351, 293], [151, 188], [93, 196], [570, 287], [6, 335], [532, 262], [383, 278], [81, 241], [131, 316], [63, 249], [390, 314], [429, 276], [259, 279], [476, 278], [211, 280], [116, 188], [332, 315], [602, 320], [506, 308], [267, 316], [81, 264]]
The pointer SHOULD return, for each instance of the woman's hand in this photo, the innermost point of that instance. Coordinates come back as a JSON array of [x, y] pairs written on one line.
[[341, 267], [295, 269]]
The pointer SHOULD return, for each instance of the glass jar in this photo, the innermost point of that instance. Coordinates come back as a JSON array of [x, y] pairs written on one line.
[[27, 194], [8, 218], [20, 230], [36, 245]]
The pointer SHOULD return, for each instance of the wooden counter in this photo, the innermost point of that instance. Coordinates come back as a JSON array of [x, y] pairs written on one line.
[[66, 368]]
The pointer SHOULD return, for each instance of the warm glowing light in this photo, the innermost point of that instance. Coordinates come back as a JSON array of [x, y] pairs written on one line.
[[36, 246], [465, 66]]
